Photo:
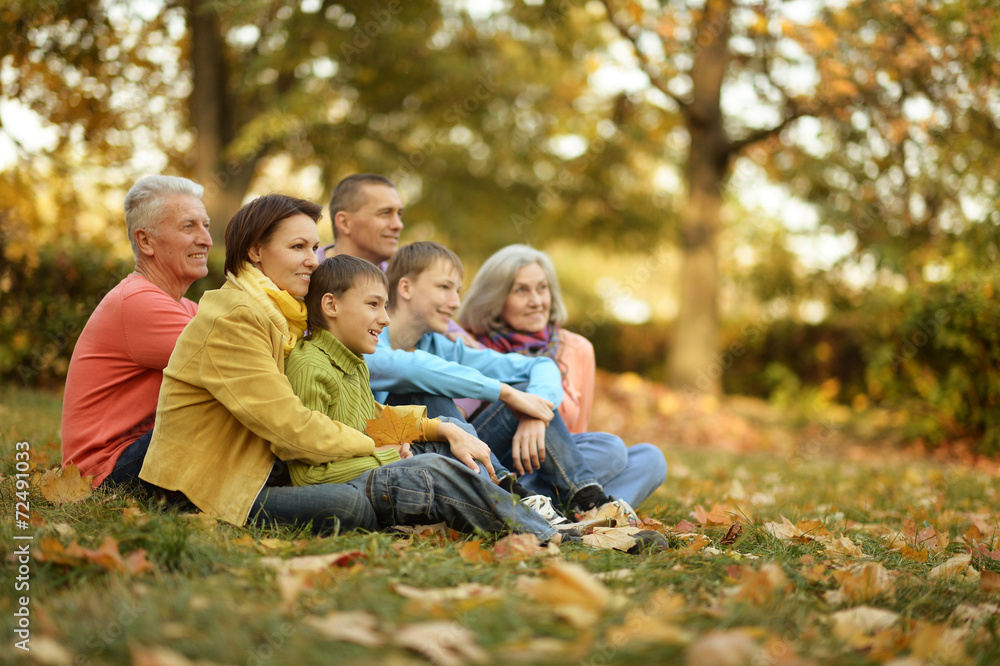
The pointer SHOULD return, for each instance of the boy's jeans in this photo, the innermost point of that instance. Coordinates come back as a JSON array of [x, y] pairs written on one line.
[[564, 472], [424, 489]]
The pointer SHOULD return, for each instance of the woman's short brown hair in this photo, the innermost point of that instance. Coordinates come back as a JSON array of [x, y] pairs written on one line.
[[257, 221]]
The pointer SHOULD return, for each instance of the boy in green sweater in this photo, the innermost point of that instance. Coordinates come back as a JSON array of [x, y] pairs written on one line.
[[347, 311]]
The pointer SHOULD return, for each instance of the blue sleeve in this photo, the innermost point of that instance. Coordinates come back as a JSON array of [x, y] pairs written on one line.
[[399, 371], [454, 370]]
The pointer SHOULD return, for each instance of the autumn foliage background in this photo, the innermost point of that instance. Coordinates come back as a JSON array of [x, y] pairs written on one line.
[[775, 221]]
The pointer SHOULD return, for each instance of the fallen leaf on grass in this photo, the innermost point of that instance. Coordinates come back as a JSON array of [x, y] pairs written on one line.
[[684, 527], [760, 586], [291, 586], [617, 538], [360, 627], [106, 555], [861, 621], [917, 555], [842, 547], [393, 429], [310, 564], [939, 644], [861, 583], [787, 531], [463, 592], [719, 515], [970, 614], [607, 515], [47, 650], [732, 534], [989, 581], [65, 485], [724, 648], [473, 552], [654, 622], [699, 542], [955, 567], [442, 642], [572, 592], [439, 530], [517, 547]]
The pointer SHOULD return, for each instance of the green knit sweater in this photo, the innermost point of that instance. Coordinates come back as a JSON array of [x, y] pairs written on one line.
[[331, 379]]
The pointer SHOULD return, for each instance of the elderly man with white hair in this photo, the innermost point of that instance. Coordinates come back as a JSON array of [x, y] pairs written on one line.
[[117, 366]]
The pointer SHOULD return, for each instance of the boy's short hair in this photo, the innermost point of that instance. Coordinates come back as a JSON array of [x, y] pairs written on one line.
[[335, 276], [413, 259]]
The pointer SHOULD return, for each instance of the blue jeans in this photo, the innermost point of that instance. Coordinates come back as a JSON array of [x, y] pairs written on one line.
[[424, 489], [563, 474], [128, 466], [631, 473]]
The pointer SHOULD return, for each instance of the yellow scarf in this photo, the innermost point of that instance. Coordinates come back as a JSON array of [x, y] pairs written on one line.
[[290, 310]]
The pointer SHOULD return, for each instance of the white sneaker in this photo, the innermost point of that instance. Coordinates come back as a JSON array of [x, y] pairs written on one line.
[[543, 505], [626, 508]]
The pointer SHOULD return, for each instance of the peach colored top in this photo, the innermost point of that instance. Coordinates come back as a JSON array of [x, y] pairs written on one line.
[[576, 360]]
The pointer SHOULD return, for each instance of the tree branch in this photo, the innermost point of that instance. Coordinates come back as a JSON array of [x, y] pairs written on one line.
[[647, 65], [738, 145]]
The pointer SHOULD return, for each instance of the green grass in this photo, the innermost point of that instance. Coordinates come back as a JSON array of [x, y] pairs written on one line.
[[209, 598]]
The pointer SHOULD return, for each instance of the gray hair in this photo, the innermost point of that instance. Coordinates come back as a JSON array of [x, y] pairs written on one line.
[[483, 302], [143, 201]]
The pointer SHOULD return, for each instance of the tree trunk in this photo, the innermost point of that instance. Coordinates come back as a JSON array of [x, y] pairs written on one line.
[[210, 106], [693, 365]]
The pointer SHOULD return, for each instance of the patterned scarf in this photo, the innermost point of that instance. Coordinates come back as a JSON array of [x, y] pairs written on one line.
[[507, 340], [288, 312]]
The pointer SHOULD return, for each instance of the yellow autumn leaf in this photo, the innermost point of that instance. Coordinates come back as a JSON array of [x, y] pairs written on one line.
[[392, 429], [572, 592], [65, 485]]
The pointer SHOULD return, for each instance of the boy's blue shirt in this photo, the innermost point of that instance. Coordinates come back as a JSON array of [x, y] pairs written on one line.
[[455, 370]]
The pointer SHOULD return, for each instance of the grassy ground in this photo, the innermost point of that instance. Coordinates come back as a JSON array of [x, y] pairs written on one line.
[[844, 556]]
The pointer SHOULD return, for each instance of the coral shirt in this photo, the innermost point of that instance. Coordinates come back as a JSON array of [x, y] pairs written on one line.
[[115, 373]]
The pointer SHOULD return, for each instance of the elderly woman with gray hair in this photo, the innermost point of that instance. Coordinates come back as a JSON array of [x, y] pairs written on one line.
[[514, 305]]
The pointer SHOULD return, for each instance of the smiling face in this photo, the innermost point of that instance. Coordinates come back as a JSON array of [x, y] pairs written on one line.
[[434, 296], [357, 316], [288, 257], [372, 231], [529, 301], [176, 250]]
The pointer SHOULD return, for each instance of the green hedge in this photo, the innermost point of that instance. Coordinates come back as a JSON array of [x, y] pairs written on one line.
[[943, 361], [46, 301]]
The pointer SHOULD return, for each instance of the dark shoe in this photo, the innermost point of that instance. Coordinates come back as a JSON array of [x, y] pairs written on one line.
[[587, 498], [648, 541]]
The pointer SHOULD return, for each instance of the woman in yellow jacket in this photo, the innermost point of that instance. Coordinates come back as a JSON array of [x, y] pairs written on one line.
[[227, 416]]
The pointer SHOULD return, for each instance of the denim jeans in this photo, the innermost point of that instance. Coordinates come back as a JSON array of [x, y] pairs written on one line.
[[129, 464], [424, 489], [631, 473], [563, 474]]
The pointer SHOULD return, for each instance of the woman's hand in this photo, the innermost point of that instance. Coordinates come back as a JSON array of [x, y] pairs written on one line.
[[529, 446], [527, 404], [467, 449], [403, 449]]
